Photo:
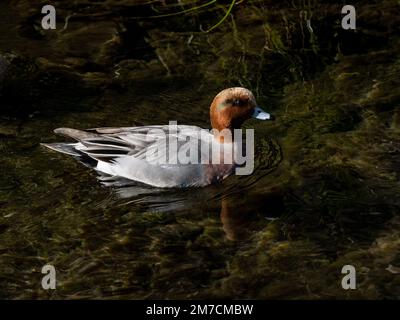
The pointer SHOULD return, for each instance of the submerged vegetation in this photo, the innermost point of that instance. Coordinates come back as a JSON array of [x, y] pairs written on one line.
[[325, 190]]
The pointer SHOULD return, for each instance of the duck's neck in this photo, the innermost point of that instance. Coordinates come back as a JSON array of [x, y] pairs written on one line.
[[223, 134], [223, 127]]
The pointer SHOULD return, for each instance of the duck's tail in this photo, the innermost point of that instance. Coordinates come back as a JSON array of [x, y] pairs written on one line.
[[70, 148], [67, 148]]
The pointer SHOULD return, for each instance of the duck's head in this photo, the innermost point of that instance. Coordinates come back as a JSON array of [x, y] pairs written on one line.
[[233, 106]]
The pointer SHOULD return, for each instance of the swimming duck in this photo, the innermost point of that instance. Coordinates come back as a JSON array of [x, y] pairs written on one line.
[[143, 154]]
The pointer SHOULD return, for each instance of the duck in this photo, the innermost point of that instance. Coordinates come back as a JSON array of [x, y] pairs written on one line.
[[142, 154]]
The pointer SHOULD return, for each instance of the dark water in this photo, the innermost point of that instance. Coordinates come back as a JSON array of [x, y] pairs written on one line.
[[324, 193]]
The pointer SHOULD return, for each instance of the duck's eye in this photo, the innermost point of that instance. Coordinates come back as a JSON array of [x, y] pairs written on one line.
[[235, 102], [239, 102]]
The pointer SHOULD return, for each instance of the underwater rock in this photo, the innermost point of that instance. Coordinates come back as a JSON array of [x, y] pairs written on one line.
[[95, 41], [137, 69]]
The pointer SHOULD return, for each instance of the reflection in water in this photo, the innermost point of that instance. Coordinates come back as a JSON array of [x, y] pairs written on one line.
[[241, 209], [242, 213]]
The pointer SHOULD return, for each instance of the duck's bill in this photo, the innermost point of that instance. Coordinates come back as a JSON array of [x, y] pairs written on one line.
[[260, 114]]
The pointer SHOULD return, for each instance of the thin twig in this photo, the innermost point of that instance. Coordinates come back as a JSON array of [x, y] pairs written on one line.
[[183, 11], [224, 17]]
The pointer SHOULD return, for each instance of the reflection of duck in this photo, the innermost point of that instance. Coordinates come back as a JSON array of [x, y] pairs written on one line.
[[123, 152], [241, 214]]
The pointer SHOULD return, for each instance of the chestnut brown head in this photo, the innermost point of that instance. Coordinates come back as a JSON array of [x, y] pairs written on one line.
[[233, 106]]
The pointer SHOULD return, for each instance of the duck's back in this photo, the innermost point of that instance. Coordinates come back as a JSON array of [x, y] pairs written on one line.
[[161, 156]]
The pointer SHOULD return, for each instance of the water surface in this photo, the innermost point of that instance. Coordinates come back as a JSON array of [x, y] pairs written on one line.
[[325, 188]]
